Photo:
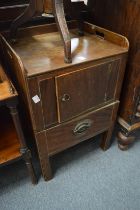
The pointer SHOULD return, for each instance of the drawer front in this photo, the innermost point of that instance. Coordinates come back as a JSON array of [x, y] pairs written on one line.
[[68, 134], [82, 90]]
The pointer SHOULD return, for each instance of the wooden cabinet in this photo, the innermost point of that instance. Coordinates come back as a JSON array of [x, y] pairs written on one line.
[[68, 103], [126, 22]]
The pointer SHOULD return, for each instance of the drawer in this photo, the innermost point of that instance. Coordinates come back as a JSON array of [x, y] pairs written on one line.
[[68, 134], [84, 89]]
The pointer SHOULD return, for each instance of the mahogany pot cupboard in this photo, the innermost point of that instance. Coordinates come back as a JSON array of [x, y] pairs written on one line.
[[124, 17], [68, 103]]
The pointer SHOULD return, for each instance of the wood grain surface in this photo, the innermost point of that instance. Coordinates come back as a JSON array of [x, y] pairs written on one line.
[[37, 52], [62, 136]]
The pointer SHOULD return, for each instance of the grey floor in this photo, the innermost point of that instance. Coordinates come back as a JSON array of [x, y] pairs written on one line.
[[85, 178]]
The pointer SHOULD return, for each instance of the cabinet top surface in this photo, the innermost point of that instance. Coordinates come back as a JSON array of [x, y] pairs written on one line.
[[44, 52]]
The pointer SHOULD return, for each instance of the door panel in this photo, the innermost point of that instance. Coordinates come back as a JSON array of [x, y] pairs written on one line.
[[84, 89]]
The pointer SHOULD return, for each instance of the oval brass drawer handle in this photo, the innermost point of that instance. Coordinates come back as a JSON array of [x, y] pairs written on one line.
[[65, 97], [82, 127]]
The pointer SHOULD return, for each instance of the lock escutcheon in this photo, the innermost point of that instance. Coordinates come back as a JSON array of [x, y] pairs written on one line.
[[65, 97]]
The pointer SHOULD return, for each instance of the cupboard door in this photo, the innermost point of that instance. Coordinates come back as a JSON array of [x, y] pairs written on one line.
[[80, 91]]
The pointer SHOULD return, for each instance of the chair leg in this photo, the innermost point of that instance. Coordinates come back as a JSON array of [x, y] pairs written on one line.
[[58, 9]]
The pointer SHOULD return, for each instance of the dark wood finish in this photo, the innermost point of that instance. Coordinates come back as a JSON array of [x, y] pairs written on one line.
[[123, 17], [11, 149], [71, 103], [17, 7], [25, 152], [43, 155], [124, 140], [38, 120], [32, 9], [98, 65], [4, 3], [58, 10], [49, 102], [12, 11], [106, 140], [99, 121], [9, 145], [54, 6], [82, 48]]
